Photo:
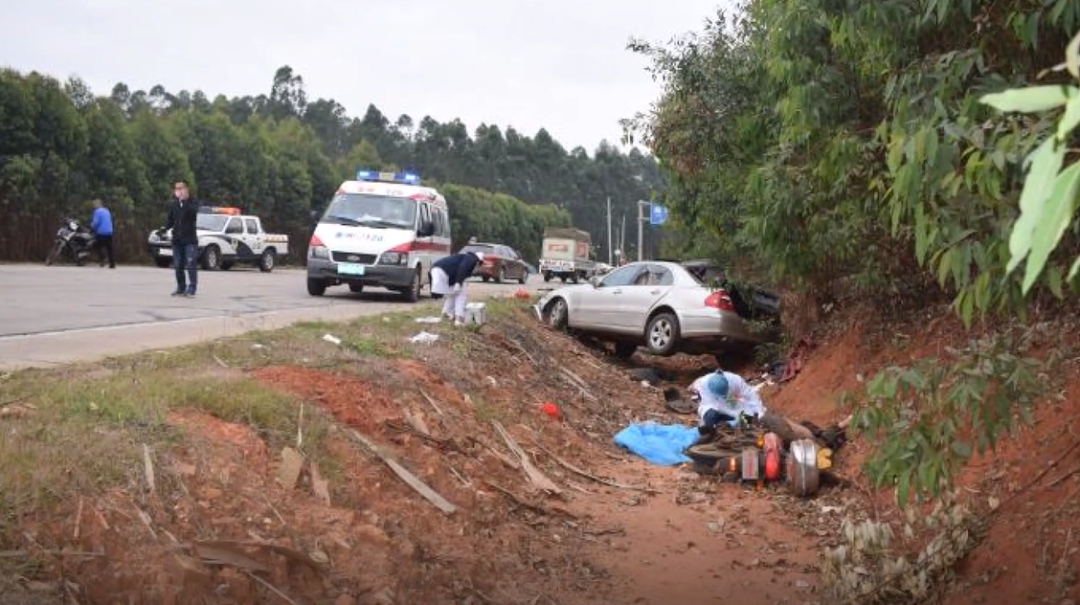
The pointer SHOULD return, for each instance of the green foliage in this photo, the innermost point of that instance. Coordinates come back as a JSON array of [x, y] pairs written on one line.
[[852, 148], [1051, 194], [497, 217], [926, 420], [280, 156]]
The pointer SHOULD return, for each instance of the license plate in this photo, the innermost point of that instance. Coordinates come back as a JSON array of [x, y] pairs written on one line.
[[165, 252], [350, 269]]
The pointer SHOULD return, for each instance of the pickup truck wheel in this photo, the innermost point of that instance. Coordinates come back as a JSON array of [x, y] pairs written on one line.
[[211, 258], [558, 315], [316, 287], [267, 261], [547, 277], [574, 278], [163, 262], [662, 334]]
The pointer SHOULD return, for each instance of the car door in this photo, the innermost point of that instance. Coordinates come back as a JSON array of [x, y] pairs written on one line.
[[639, 298], [597, 306], [253, 235], [234, 235]]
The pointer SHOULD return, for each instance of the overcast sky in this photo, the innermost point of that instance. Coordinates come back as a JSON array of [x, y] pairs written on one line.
[[558, 64]]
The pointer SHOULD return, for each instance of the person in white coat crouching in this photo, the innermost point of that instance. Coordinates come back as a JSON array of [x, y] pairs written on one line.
[[448, 277]]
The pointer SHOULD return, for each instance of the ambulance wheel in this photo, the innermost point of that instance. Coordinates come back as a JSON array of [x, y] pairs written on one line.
[[211, 258], [412, 294], [267, 261], [316, 287]]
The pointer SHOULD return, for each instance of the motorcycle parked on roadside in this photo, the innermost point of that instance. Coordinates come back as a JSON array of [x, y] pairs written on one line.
[[73, 242]]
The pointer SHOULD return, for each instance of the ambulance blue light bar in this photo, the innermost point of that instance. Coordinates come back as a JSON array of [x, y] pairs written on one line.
[[406, 178]]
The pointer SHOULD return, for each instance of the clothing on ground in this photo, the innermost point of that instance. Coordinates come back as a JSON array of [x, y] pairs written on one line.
[[101, 221], [658, 443]]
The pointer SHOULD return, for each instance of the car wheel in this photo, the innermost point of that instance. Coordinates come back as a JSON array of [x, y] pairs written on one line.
[[662, 334], [558, 315], [316, 287], [500, 277], [524, 277], [211, 260], [267, 261], [485, 278], [625, 350], [412, 294]]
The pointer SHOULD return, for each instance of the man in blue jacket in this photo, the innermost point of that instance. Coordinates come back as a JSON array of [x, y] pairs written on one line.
[[183, 214], [448, 277], [102, 228]]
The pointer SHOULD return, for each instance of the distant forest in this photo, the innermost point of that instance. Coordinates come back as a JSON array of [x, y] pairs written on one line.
[[280, 155]]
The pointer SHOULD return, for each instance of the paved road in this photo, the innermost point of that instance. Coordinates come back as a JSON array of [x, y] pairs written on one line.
[[56, 315]]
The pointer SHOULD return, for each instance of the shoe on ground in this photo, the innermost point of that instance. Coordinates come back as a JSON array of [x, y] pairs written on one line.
[[178, 293]]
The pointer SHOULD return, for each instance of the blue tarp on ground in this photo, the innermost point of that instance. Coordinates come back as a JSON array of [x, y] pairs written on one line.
[[661, 444]]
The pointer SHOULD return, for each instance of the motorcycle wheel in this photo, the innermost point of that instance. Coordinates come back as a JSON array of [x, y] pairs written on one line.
[[54, 254]]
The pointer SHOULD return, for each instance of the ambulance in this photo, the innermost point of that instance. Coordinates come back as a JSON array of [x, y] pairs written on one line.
[[381, 230]]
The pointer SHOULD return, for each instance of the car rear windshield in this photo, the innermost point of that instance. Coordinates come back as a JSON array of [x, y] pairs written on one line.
[[210, 222], [479, 248], [379, 211]]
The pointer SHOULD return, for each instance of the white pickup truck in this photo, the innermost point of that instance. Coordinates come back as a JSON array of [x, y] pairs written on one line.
[[226, 238]]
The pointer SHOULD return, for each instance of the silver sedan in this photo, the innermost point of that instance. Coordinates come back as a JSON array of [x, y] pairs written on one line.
[[658, 305]]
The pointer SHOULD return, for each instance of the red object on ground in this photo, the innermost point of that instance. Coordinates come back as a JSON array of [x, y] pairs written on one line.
[[521, 293], [550, 409]]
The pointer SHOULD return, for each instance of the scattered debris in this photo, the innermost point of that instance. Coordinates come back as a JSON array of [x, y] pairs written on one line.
[[292, 462], [431, 495], [537, 478], [424, 338]]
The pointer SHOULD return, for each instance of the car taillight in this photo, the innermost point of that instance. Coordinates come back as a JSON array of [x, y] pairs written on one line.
[[720, 300]]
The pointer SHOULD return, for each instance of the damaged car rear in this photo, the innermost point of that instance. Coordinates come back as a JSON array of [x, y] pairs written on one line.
[[664, 307]]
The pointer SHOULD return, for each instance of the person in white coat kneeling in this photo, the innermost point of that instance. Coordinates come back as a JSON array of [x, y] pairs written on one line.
[[448, 277]]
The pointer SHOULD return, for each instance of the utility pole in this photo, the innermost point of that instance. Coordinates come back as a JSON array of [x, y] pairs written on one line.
[[622, 237], [641, 218], [610, 244]]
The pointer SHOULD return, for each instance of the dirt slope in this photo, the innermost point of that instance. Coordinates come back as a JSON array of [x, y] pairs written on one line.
[[1031, 553]]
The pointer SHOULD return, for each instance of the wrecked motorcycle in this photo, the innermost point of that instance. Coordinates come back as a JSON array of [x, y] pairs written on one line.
[[750, 453]]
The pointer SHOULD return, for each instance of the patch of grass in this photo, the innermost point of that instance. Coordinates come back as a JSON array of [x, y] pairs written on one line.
[[86, 432]]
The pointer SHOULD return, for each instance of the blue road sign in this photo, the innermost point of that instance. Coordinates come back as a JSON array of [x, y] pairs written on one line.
[[657, 214]]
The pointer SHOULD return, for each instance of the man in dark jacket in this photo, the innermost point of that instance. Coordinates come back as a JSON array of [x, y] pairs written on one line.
[[448, 277], [183, 213]]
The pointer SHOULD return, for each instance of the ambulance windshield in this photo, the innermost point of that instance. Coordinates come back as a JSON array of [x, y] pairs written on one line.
[[366, 210]]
